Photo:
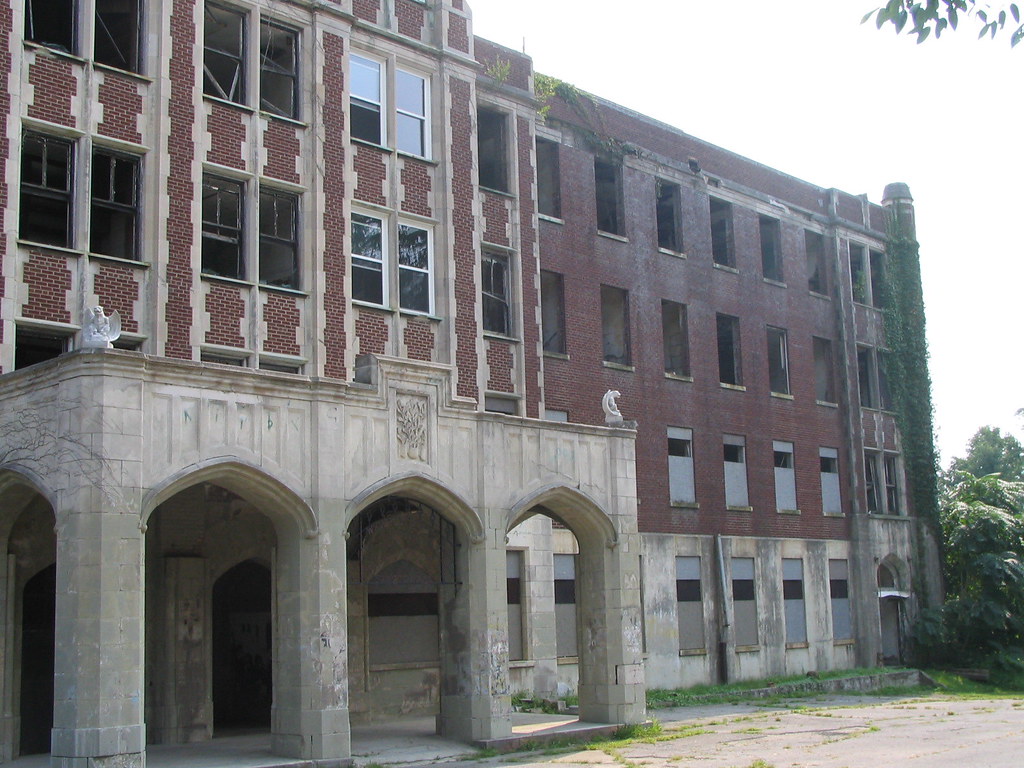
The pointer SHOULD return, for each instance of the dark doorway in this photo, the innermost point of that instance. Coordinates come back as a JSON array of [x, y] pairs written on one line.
[[242, 655], [37, 639]]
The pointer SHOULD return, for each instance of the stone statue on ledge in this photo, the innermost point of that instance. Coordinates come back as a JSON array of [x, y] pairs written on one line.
[[612, 416], [100, 330]]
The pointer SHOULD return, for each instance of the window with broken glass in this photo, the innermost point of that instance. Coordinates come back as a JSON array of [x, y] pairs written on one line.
[[495, 291], [222, 250], [114, 214], [279, 70], [47, 168], [223, 53], [117, 33], [279, 251]]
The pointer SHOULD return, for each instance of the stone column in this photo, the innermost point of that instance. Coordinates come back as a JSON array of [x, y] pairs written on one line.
[[98, 680]]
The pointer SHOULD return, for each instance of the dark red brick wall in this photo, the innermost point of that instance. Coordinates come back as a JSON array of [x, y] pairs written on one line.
[[371, 332], [366, 9], [226, 307], [419, 339], [416, 187], [122, 106], [458, 33], [410, 17], [371, 174], [116, 288], [495, 218], [463, 249], [181, 190], [283, 318], [500, 361], [281, 141], [227, 128], [528, 265], [54, 86], [5, 144], [490, 54], [334, 260], [48, 279]]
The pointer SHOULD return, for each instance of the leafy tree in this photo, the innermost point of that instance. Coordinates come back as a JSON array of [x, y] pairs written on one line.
[[991, 452], [936, 16]]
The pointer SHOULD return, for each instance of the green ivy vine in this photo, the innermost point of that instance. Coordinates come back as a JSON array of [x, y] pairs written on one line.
[[582, 103]]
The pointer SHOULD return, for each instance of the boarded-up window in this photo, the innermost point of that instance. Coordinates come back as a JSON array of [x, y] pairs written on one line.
[[735, 464], [744, 601], [514, 592], [793, 597], [831, 501], [785, 476], [565, 605], [680, 466], [839, 592], [689, 603]]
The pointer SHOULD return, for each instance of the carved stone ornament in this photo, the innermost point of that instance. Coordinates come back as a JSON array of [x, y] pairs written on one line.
[[611, 408], [411, 427], [99, 330]]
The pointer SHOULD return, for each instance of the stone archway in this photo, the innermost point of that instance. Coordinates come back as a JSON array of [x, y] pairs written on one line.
[[891, 608]]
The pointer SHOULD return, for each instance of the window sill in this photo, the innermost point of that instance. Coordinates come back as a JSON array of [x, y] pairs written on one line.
[[556, 355], [371, 144], [788, 511], [684, 504], [826, 404], [412, 156], [499, 192], [283, 119], [63, 249], [693, 651], [233, 104], [55, 51], [782, 396], [725, 268], [678, 377], [797, 646], [551, 219], [612, 236], [867, 306], [101, 67], [500, 337], [730, 508], [414, 313], [522, 664], [568, 660], [618, 366], [734, 387], [832, 514], [119, 260], [670, 252], [284, 289], [404, 665], [748, 649], [371, 305], [225, 279], [776, 283], [47, 325], [817, 295], [886, 516], [220, 350], [845, 641]]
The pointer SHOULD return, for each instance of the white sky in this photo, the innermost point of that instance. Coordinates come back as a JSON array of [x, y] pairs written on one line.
[[802, 86]]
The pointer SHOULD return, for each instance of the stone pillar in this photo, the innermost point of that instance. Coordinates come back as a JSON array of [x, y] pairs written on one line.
[[98, 680], [8, 722], [900, 205]]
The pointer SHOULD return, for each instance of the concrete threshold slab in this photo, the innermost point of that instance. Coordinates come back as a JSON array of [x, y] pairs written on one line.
[[529, 730]]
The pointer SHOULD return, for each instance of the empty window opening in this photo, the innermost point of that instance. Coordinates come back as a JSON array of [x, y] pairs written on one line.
[[890, 467], [814, 245], [689, 604], [492, 149], [722, 251], [565, 605], [824, 376], [117, 34], [744, 601], [549, 192], [735, 466], [501, 404], [675, 338], [279, 70], [51, 23], [668, 215], [778, 361], [681, 487], [771, 248], [859, 275], [729, 368], [411, 134], [415, 281], [793, 599], [514, 598], [366, 103], [115, 204], [839, 593], [884, 393], [876, 269], [552, 312], [785, 476], [223, 53], [495, 289], [867, 379], [871, 480], [279, 246], [369, 278], [615, 324], [608, 193], [831, 501], [222, 228], [47, 166]]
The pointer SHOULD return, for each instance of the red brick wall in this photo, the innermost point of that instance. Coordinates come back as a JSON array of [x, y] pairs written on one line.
[[181, 189], [463, 250], [419, 339], [117, 289], [122, 106], [48, 279], [410, 17], [371, 174], [5, 144], [366, 9], [281, 141], [458, 33], [283, 318], [226, 307], [528, 265], [334, 260], [227, 128], [500, 362], [495, 218], [489, 54], [54, 86], [371, 332], [416, 187]]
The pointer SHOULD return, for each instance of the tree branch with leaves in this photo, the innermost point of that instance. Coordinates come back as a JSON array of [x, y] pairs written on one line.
[[933, 17]]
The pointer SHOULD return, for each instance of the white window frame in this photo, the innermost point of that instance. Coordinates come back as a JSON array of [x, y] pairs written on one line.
[[392, 268], [384, 258], [429, 270], [424, 119], [382, 106]]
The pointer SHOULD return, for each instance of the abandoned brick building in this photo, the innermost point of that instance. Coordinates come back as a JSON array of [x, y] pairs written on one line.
[[347, 459]]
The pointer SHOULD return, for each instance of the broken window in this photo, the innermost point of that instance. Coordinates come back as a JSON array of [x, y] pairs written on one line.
[[279, 70], [33, 346], [514, 598], [771, 248], [668, 214], [735, 464], [839, 592], [729, 369], [681, 488], [366, 103], [817, 276], [495, 289], [51, 23], [279, 247], [117, 34], [369, 277], [871, 481], [884, 393], [552, 312], [415, 281], [689, 604], [115, 204], [223, 53], [778, 361], [831, 501], [675, 339], [549, 193], [793, 599], [890, 467], [824, 377], [608, 194], [615, 324], [411, 126], [492, 149], [222, 228], [866, 377], [785, 476], [47, 168], [876, 269], [744, 601], [722, 252], [565, 605]]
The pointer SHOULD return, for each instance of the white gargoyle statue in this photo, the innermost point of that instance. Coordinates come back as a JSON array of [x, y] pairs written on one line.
[[611, 409], [100, 330]]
